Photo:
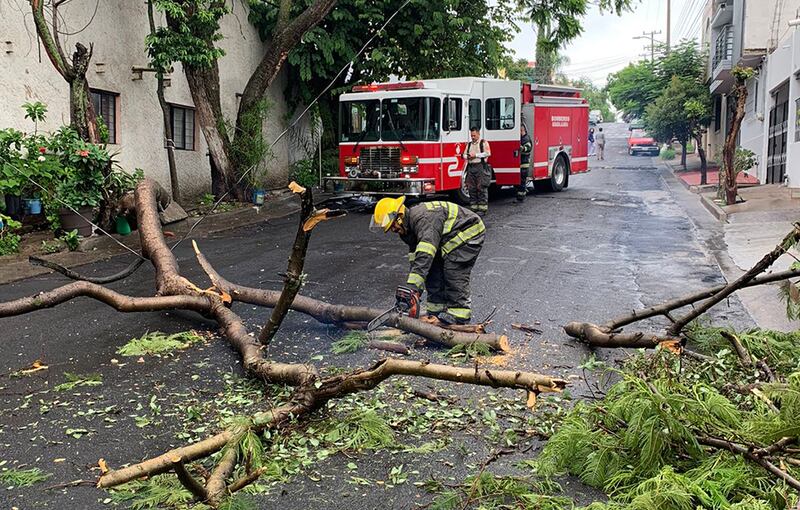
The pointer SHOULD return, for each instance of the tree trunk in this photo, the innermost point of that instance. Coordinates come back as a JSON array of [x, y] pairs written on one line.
[[683, 153], [81, 111], [698, 139], [204, 87], [168, 135], [729, 149]]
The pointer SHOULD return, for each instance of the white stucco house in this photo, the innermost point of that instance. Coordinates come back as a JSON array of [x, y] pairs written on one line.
[[124, 92]]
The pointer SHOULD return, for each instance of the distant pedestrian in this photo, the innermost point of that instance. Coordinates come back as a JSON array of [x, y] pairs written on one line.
[[526, 147], [479, 174], [600, 139], [591, 141]]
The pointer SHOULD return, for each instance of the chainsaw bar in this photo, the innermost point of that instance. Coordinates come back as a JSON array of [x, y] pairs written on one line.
[[381, 319]]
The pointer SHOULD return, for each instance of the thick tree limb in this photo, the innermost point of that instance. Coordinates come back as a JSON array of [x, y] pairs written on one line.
[[292, 281], [119, 302], [762, 265], [100, 280], [188, 481], [195, 451], [328, 313], [599, 336], [314, 395], [216, 486]]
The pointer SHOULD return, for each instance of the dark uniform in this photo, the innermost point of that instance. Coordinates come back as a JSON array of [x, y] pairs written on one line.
[[526, 146], [479, 177], [444, 242]]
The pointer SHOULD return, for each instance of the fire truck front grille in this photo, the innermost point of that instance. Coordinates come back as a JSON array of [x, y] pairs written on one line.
[[380, 159]]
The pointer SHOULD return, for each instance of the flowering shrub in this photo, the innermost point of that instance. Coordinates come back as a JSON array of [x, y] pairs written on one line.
[[61, 168]]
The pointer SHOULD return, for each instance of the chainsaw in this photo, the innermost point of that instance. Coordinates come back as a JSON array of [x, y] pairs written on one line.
[[406, 303]]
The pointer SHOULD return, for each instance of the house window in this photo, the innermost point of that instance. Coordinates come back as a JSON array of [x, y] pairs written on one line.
[[105, 107], [500, 113], [182, 119], [475, 114], [452, 114]]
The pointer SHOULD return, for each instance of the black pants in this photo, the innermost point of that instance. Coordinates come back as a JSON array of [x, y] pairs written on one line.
[[448, 287], [478, 179], [522, 189]]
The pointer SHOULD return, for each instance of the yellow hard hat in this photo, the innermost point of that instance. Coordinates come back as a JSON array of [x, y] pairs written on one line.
[[386, 212]]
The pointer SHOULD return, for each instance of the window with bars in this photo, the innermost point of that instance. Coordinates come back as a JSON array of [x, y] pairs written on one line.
[[182, 119], [105, 107]]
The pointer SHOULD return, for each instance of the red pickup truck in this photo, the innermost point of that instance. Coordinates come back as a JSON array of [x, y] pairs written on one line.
[[639, 142]]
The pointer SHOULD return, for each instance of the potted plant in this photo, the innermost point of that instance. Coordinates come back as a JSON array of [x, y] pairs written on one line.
[[79, 187]]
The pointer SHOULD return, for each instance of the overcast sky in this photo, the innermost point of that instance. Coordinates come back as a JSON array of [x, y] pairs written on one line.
[[607, 43]]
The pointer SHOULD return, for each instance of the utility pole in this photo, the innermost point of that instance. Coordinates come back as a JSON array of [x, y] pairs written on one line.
[[669, 13], [652, 36]]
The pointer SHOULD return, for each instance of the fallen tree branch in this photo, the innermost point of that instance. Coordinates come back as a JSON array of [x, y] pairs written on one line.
[[599, 336], [762, 265], [750, 454], [668, 306], [740, 349], [174, 292], [315, 395], [189, 481], [292, 281], [74, 275], [328, 313], [216, 486], [119, 302]]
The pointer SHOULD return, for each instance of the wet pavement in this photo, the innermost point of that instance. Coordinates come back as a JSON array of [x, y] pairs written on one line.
[[617, 239]]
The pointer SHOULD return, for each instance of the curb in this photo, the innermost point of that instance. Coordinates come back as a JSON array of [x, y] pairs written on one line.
[[714, 209]]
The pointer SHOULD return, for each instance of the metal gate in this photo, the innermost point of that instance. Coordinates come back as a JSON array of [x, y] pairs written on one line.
[[778, 133]]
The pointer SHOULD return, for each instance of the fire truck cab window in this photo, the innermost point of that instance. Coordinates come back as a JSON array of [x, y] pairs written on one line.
[[475, 113], [500, 113], [451, 116], [359, 121], [410, 118]]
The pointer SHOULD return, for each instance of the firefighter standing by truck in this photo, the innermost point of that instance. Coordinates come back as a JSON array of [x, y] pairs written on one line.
[[444, 241], [525, 146], [479, 174]]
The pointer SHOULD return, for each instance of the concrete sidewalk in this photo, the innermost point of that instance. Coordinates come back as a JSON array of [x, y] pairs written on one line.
[[747, 231]]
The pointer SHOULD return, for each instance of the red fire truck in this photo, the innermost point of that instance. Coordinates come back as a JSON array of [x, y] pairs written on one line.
[[408, 137]]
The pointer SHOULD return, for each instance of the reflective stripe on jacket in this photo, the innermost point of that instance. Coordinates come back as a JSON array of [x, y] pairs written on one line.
[[439, 227]]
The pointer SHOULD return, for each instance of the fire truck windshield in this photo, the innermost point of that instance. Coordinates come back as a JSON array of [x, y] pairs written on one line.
[[359, 121], [410, 118]]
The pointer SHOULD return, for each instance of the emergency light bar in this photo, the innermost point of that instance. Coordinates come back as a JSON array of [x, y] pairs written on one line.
[[403, 85]]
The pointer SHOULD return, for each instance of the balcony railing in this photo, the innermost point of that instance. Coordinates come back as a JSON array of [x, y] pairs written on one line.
[[723, 46]]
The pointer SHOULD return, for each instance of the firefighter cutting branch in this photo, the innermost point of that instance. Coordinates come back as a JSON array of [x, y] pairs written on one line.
[[444, 241]]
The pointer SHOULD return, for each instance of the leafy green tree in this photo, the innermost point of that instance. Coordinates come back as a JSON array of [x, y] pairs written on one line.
[[666, 118], [633, 88], [426, 39], [190, 37], [559, 22]]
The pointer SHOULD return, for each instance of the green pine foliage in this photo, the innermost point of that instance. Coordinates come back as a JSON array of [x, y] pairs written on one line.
[[639, 444]]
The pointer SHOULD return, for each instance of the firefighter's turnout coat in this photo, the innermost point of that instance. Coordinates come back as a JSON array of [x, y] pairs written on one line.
[[444, 242]]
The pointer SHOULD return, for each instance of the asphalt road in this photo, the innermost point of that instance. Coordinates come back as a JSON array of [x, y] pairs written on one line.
[[617, 239]]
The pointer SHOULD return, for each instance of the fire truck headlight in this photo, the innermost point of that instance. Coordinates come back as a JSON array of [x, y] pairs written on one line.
[[351, 161], [352, 172], [415, 188]]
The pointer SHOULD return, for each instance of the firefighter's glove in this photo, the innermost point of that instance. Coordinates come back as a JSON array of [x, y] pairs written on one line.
[[407, 301]]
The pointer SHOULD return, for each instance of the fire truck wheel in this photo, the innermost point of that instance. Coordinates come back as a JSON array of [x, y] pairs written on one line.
[[558, 178]]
